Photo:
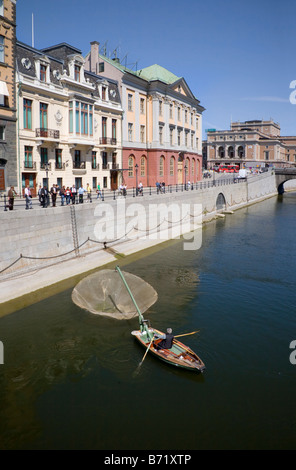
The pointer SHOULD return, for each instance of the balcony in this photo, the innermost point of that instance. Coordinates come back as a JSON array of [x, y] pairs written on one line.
[[45, 133], [28, 165], [95, 166], [79, 167], [59, 166], [113, 166], [108, 141], [45, 166]]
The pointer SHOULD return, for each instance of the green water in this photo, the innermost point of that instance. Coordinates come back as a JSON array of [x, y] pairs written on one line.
[[70, 380]]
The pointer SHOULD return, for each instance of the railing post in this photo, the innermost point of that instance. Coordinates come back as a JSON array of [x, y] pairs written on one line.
[[103, 197], [114, 194], [133, 192], [150, 190]]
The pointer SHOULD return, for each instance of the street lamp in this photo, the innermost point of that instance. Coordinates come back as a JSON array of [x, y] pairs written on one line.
[[46, 165], [136, 167], [185, 168]]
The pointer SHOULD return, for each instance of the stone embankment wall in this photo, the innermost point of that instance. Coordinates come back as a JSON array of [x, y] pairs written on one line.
[[30, 238]]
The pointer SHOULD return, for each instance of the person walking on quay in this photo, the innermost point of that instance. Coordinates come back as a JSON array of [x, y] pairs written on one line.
[[99, 194], [44, 196], [53, 193], [39, 194], [81, 190], [28, 197], [68, 196], [73, 192], [62, 194], [11, 195], [88, 189]]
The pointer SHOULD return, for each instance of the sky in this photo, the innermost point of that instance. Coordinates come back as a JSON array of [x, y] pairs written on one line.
[[237, 56]]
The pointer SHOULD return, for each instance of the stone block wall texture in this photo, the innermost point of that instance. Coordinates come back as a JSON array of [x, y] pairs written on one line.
[[50, 233]]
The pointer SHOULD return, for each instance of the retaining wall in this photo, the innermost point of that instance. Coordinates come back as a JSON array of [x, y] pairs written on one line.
[[52, 234]]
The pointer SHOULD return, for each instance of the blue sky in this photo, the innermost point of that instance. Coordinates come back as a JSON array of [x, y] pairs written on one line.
[[238, 57]]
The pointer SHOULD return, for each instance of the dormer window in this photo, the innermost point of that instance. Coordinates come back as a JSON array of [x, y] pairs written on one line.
[[77, 69], [43, 72], [104, 93]]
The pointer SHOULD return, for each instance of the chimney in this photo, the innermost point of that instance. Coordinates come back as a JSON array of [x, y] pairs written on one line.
[[94, 56]]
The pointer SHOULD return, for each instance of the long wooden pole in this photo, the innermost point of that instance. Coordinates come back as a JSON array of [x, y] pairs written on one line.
[[187, 334]]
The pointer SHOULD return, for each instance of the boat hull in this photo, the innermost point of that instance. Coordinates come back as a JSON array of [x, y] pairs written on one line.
[[179, 355]]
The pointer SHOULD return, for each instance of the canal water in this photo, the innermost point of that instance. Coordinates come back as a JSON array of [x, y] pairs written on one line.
[[70, 379]]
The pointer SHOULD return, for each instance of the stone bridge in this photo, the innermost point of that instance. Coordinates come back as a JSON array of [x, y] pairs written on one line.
[[282, 175]]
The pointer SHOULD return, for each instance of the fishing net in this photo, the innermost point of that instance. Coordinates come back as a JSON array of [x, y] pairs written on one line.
[[104, 293]]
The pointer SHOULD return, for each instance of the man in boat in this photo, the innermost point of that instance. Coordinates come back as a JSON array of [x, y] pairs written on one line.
[[166, 340]]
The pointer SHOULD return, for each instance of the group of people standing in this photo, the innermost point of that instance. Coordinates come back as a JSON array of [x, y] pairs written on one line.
[[67, 194]]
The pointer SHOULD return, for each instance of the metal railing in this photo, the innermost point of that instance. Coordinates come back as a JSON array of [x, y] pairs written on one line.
[[47, 133], [108, 141]]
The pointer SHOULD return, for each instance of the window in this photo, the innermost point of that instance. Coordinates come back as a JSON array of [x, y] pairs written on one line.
[[143, 166], [28, 157], [172, 166], [130, 132], [2, 132], [43, 69], [114, 122], [77, 159], [2, 56], [161, 135], [94, 160], [179, 113], [71, 117], [161, 166], [130, 102], [171, 136], [160, 108], [142, 134], [105, 182], [77, 73], [105, 160], [266, 155], [192, 168], [131, 166], [94, 182], [101, 67], [171, 111], [104, 129], [186, 115], [179, 137], [104, 93], [44, 157], [186, 139], [43, 115], [27, 114], [84, 119], [58, 159], [142, 105]]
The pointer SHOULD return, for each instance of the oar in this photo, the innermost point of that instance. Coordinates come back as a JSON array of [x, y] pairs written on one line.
[[146, 352], [187, 334]]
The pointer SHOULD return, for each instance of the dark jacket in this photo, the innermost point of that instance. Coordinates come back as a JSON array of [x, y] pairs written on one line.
[[167, 343]]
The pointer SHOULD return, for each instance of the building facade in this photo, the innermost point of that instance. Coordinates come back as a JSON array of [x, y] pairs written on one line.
[[161, 126], [69, 129], [249, 144], [8, 111]]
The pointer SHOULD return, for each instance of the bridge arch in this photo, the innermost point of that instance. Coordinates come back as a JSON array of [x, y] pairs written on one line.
[[283, 175], [220, 202]]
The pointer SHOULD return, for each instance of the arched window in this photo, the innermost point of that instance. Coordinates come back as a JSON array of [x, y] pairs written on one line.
[[240, 152], [221, 152], [131, 161], [187, 167], [143, 166], [230, 152], [161, 166], [172, 166], [192, 167]]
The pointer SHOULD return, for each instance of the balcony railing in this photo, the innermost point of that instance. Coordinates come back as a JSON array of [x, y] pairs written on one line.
[[29, 165], [104, 166], [113, 166], [107, 141], [59, 166], [45, 166], [95, 166], [47, 133], [79, 165]]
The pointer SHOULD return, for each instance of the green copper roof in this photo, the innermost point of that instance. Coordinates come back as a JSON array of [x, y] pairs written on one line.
[[157, 72]]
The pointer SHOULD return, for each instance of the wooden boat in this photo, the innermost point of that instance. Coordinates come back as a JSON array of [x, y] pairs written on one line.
[[179, 355]]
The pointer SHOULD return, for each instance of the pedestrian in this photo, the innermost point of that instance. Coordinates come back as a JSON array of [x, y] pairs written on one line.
[[11, 195], [28, 197], [39, 194], [68, 196], [62, 194], [99, 194], [73, 192], [53, 193], [44, 196], [88, 190], [81, 190]]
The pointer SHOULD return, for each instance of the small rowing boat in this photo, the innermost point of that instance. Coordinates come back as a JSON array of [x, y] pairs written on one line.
[[178, 355]]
